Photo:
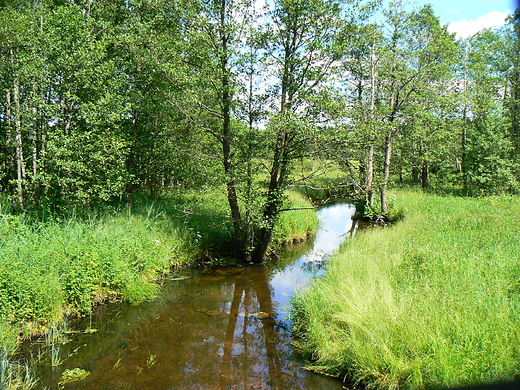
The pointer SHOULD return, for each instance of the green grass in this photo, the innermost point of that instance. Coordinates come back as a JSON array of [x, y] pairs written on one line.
[[61, 267], [433, 301], [56, 268], [295, 225]]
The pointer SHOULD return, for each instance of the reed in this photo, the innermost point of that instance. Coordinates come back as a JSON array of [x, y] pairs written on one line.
[[15, 375]]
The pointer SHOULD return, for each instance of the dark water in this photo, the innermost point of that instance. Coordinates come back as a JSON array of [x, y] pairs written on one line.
[[218, 329]]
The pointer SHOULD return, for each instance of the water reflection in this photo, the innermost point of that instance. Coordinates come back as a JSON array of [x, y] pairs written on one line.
[[224, 329], [336, 222]]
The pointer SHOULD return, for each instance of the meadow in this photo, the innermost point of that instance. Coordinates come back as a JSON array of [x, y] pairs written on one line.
[[432, 301]]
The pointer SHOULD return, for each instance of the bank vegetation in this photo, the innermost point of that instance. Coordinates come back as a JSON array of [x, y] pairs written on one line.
[[430, 302]]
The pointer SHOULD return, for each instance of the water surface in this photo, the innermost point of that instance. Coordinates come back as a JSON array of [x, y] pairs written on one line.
[[224, 328]]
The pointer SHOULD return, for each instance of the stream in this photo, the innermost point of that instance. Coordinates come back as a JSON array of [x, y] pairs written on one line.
[[224, 328]]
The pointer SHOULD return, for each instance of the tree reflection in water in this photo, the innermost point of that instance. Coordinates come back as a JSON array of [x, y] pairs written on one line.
[[205, 332], [251, 314]]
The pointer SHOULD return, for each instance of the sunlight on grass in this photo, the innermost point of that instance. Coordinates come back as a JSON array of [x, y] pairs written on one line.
[[431, 301]]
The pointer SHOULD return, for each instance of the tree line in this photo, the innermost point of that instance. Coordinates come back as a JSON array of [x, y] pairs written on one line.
[[103, 98]]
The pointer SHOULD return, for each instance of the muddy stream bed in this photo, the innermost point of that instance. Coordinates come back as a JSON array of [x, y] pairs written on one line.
[[225, 328]]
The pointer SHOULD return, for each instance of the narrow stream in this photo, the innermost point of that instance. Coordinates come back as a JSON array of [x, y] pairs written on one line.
[[221, 329]]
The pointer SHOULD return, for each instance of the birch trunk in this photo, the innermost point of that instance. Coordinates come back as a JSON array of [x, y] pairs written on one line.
[[20, 165], [386, 172]]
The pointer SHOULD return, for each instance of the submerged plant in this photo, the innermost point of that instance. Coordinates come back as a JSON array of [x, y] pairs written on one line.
[[55, 355], [74, 375], [15, 375], [152, 359], [116, 364], [54, 338]]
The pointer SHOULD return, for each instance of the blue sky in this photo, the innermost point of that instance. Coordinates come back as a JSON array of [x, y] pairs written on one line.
[[466, 17], [457, 10]]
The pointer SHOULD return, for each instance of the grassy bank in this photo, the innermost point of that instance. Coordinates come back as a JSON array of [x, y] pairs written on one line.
[[433, 301], [53, 269]]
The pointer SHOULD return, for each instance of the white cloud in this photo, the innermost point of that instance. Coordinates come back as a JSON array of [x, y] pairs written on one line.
[[465, 28], [259, 6]]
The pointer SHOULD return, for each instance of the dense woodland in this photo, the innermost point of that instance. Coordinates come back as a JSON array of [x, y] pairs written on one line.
[[100, 99]]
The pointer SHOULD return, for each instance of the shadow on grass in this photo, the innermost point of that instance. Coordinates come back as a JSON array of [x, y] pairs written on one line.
[[204, 217]]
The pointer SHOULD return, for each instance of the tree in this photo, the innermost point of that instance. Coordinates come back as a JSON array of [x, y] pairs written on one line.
[[360, 62], [512, 98], [300, 46], [488, 140], [416, 59], [63, 112]]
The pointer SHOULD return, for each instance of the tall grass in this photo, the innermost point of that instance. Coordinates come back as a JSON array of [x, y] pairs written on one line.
[[55, 268], [433, 301], [48, 269]]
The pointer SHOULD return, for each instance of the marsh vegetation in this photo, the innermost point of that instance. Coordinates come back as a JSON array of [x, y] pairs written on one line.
[[138, 136]]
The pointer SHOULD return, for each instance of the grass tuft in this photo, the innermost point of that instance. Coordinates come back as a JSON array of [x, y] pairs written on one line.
[[432, 301]]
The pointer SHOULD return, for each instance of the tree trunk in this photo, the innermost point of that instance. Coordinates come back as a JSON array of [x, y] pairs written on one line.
[[370, 176], [370, 162], [464, 134], [20, 164], [9, 139], [248, 223], [515, 112], [363, 167], [280, 159], [274, 195], [425, 170], [226, 134], [386, 172], [415, 174]]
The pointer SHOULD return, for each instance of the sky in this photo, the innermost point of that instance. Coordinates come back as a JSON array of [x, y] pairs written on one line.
[[467, 17], [464, 17]]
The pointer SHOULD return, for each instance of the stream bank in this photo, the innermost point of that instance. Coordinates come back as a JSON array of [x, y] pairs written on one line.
[[209, 329]]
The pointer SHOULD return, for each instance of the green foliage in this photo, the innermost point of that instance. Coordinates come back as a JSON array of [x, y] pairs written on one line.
[[53, 268], [92, 126], [203, 215], [15, 375], [434, 301], [99, 103], [48, 269], [489, 163], [490, 159]]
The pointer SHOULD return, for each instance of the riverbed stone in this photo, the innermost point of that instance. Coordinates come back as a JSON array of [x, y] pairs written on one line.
[[261, 315]]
